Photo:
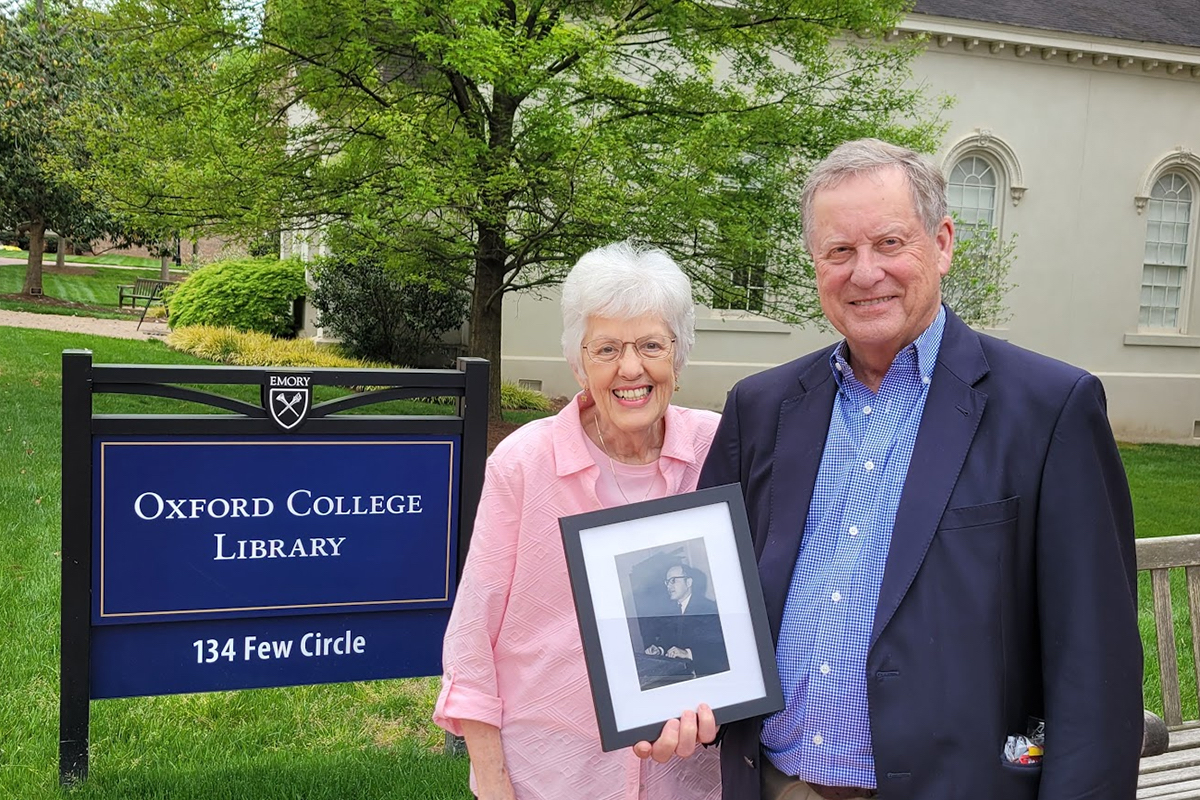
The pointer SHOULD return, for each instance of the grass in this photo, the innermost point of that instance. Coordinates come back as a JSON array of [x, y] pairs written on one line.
[[369, 741], [91, 290], [1165, 484]]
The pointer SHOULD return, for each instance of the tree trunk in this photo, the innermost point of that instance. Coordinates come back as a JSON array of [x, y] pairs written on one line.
[[164, 272], [33, 267], [491, 253], [60, 256], [487, 305]]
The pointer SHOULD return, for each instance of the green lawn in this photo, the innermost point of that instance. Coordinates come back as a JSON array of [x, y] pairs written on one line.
[[368, 741], [93, 288], [1165, 484]]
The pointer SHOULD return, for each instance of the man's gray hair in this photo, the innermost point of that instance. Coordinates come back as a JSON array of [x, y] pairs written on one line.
[[624, 281], [926, 182]]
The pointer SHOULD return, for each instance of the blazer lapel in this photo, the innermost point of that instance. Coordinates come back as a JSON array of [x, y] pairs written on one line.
[[803, 425], [948, 424]]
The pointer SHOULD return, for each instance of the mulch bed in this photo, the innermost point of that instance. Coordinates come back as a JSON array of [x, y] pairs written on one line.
[[498, 430]]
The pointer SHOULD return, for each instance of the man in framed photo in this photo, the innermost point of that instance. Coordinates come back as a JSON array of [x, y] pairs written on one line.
[[943, 529], [694, 633]]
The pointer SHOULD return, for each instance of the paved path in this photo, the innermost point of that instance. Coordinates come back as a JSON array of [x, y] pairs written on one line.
[[117, 328], [50, 262]]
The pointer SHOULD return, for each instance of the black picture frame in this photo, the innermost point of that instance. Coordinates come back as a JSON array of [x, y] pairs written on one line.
[[671, 612]]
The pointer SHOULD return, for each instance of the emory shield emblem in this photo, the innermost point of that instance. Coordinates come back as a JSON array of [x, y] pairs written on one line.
[[288, 399]]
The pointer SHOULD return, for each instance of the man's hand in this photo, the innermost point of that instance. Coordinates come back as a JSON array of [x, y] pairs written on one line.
[[654, 650], [679, 652], [680, 737]]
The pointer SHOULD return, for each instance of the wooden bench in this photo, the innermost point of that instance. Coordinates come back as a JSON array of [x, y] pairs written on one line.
[[148, 290], [1175, 773]]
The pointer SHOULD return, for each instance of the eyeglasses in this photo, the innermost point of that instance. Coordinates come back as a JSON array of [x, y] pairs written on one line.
[[671, 580], [605, 350]]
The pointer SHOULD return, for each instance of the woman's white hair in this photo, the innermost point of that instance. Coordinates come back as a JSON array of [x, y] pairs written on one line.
[[624, 281]]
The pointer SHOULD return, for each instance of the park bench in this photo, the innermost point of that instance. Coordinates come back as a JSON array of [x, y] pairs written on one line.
[[148, 290], [1175, 773]]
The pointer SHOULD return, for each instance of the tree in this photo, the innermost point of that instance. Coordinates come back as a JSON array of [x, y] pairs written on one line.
[[46, 50], [977, 282], [501, 139]]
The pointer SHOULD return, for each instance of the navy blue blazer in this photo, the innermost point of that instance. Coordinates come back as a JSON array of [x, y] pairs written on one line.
[[1009, 589]]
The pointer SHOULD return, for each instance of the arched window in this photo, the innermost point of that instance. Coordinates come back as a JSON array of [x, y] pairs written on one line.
[[981, 172], [972, 189], [1170, 226]]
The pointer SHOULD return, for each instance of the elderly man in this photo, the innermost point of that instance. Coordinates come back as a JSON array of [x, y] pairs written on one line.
[[943, 529], [694, 632]]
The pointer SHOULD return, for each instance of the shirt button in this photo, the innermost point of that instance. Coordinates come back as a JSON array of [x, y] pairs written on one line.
[[839, 367], [870, 465], [866, 409], [854, 530], [925, 379], [824, 669], [836, 597], [817, 739]]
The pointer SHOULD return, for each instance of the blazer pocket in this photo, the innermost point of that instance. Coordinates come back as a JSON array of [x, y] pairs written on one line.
[[996, 513], [1021, 771]]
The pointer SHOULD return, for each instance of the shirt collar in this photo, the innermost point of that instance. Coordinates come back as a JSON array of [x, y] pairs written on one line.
[[571, 453], [926, 348]]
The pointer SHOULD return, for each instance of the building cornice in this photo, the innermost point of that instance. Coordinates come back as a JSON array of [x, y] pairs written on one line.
[[1071, 48]]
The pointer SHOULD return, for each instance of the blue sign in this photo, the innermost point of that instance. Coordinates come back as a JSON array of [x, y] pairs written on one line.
[[233, 562], [202, 656], [202, 527]]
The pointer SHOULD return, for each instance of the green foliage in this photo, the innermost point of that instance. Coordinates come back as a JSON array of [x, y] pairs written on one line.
[[265, 245], [49, 57], [250, 294], [977, 282], [386, 312], [513, 397], [517, 397], [499, 141]]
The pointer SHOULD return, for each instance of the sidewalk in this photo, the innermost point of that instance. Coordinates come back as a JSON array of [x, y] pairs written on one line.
[[49, 263], [116, 328]]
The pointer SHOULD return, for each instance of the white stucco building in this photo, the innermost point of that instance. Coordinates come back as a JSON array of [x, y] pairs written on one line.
[[1078, 130]]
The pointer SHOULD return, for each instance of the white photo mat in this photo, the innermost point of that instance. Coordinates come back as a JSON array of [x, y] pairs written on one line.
[[596, 542]]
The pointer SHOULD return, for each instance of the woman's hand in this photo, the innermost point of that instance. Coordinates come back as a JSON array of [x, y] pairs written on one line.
[[680, 737], [487, 761]]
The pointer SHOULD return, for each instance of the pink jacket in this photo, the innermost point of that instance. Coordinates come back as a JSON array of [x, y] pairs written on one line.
[[512, 655]]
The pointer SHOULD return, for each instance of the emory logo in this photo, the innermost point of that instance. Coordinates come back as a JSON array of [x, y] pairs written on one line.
[[287, 399]]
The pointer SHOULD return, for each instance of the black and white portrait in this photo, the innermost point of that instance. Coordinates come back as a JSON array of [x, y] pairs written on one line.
[[674, 623]]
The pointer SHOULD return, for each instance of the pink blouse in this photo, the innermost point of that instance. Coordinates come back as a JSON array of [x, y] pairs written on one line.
[[512, 656]]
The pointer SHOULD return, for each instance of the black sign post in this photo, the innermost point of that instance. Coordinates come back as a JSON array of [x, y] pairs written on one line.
[[285, 543]]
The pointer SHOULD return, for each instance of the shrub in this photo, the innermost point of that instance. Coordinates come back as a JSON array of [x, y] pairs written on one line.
[[253, 349], [267, 244], [512, 398], [229, 346], [386, 312], [248, 294]]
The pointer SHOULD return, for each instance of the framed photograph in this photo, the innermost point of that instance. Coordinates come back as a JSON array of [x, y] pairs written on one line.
[[671, 612]]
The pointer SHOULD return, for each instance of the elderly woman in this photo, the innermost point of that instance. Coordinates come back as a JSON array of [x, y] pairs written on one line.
[[515, 684]]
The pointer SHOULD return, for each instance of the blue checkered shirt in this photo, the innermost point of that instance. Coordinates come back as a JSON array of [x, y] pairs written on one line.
[[823, 735]]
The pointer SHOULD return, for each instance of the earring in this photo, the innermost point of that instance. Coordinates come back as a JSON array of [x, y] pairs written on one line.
[[583, 398], [677, 386]]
